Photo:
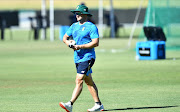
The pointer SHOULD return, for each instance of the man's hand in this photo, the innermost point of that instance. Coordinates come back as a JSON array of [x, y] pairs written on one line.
[[77, 47], [72, 43]]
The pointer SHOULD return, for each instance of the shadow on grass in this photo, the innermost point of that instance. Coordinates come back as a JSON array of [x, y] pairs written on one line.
[[137, 108]]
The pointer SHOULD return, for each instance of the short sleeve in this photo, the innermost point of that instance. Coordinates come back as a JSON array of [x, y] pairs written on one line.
[[94, 32], [69, 31]]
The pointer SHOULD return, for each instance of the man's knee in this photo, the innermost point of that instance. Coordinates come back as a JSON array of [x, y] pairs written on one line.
[[89, 82], [79, 79]]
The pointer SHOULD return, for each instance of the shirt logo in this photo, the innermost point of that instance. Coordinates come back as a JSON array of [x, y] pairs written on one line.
[[77, 7], [83, 28]]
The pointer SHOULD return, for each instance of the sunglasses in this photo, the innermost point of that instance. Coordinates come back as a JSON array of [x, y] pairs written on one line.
[[77, 13]]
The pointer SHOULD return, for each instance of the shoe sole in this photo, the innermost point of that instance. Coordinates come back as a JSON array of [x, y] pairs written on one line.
[[63, 107]]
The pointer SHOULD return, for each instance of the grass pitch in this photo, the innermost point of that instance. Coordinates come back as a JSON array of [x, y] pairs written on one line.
[[36, 75]]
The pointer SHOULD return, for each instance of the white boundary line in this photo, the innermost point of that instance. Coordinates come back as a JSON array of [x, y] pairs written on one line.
[[111, 50]]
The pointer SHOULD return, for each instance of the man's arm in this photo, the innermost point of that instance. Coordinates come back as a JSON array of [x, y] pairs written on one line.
[[92, 44], [65, 40]]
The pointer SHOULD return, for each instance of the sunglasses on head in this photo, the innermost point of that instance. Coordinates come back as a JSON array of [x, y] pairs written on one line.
[[77, 13]]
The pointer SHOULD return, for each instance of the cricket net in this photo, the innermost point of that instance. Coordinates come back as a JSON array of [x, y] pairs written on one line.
[[165, 14]]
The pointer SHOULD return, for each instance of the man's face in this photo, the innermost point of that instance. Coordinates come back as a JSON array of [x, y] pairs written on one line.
[[80, 16]]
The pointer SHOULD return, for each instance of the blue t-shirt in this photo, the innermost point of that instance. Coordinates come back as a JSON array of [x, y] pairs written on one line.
[[82, 34]]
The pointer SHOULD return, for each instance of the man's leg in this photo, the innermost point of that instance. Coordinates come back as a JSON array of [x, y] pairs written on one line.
[[94, 92], [78, 88], [92, 87], [77, 91]]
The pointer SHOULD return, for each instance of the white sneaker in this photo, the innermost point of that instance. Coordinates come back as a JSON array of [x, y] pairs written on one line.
[[67, 106], [96, 108]]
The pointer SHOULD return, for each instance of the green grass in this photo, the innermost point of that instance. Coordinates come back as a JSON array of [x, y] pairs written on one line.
[[36, 75]]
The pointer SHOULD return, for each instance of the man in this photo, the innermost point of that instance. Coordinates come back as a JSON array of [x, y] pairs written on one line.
[[85, 34]]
